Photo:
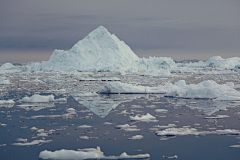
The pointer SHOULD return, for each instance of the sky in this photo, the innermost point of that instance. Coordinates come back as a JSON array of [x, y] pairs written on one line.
[[182, 29]]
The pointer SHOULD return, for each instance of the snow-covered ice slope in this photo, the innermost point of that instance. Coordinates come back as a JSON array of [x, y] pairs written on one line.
[[98, 51]]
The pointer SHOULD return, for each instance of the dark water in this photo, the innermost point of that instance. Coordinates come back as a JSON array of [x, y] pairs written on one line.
[[114, 141]]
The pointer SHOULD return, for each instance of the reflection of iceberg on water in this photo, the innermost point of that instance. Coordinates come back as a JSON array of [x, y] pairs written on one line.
[[209, 107], [101, 105]]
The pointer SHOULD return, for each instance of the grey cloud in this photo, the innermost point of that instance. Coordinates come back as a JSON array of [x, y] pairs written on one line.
[[155, 25]]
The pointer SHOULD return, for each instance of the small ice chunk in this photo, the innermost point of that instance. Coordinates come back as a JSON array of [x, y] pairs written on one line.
[[136, 137], [235, 146], [161, 110], [107, 123], [217, 117], [35, 142], [171, 157], [83, 137], [84, 126], [146, 118], [6, 101], [39, 98]]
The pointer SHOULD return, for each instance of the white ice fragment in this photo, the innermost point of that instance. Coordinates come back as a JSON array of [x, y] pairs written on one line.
[[21, 140], [70, 110], [3, 124], [228, 131], [181, 132], [107, 123], [146, 118], [83, 137], [84, 126], [124, 126], [161, 110], [217, 117], [136, 137], [6, 101]]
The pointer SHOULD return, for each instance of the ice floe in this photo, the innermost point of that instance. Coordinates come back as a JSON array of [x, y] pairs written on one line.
[[144, 118], [88, 153]]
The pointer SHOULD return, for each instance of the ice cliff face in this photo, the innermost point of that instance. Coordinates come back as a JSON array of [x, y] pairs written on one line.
[[98, 51]]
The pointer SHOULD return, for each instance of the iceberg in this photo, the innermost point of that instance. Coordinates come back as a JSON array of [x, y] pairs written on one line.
[[98, 51]]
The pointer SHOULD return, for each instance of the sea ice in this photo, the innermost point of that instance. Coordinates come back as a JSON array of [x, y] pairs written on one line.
[[145, 118], [206, 90], [4, 81], [88, 153], [118, 87], [136, 137]]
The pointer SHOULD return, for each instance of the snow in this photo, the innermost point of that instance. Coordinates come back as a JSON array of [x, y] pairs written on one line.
[[161, 110], [118, 87], [84, 126], [88, 153]]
